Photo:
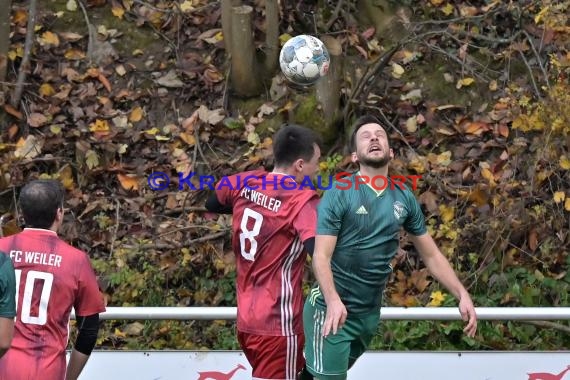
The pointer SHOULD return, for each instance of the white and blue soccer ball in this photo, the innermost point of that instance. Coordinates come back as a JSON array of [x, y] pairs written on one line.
[[304, 59]]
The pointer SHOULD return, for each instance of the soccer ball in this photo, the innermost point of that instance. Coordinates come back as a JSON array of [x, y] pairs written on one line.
[[304, 59]]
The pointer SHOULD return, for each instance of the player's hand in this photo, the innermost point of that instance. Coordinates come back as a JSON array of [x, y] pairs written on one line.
[[336, 316], [467, 311]]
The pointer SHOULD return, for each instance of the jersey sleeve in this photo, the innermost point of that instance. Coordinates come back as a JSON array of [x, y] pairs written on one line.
[[415, 222], [305, 221], [330, 212], [7, 289], [89, 299], [225, 190]]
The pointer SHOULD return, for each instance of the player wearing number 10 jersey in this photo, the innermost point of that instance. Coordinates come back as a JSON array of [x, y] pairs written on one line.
[[273, 229], [51, 278]]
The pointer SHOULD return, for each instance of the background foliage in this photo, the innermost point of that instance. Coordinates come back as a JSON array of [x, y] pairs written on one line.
[[475, 96]]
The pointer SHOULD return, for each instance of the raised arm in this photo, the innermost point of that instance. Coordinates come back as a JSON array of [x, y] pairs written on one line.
[[442, 271]]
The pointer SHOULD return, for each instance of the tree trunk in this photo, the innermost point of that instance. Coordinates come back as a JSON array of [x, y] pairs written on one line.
[[24, 66], [227, 6], [271, 37], [245, 77], [4, 36], [328, 88]]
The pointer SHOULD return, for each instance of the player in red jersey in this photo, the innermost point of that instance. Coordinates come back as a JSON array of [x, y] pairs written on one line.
[[274, 221], [51, 278]]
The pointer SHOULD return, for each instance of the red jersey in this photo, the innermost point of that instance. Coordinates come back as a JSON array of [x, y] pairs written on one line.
[[51, 278], [272, 217]]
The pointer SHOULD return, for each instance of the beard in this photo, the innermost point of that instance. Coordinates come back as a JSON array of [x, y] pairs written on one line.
[[373, 162]]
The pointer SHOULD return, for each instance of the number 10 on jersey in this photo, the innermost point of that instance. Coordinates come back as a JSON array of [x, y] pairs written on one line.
[[249, 235], [45, 280]]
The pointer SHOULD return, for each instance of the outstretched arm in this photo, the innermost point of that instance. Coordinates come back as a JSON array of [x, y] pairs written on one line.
[[440, 268], [84, 344]]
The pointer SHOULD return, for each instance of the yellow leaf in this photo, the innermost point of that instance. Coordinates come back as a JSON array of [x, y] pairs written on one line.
[[565, 162], [447, 213], [493, 85], [559, 196], [437, 298], [74, 54], [13, 54], [488, 175], [128, 182], [118, 11], [20, 17], [99, 126], [66, 177], [49, 38], [137, 52], [436, 3], [567, 204], [188, 138], [152, 131], [448, 9], [161, 138], [120, 334], [284, 38], [397, 71], [186, 6], [541, 14], [91, 159], [464, 82], [46, 90], [136, 115], [55, 129]]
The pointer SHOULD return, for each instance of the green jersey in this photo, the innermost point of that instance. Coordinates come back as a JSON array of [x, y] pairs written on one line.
[[7, 287], [367, 225]]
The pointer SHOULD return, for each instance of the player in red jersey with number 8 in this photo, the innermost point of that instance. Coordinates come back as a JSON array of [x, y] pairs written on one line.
[[51, 278], [274, 221]]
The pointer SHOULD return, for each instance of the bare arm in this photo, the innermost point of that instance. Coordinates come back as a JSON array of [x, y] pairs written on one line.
[[336, 311], [442, 271], [6, 334], [86, 339]]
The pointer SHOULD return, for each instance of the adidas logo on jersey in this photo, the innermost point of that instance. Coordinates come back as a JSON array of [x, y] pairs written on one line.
[[362, 211]]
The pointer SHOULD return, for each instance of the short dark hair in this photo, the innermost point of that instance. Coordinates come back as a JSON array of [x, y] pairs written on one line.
[[292, 142], [39, 201], [363, 120]]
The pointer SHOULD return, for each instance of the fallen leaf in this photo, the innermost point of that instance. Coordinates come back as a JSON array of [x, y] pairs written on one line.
[[71, 36], [36, 120], [91, 159], [120, 70], [14, 112], [564, 162], [532, 239], [128, 182], [170, 80], [29, 147], [117, 10], [411, 124], [447, 9], [559, 196], [65, 175], [476, 128], [74, 54], [493, 85], [136, 115], [464, 82], [397, 71], [71, 5], [46, 90], [48, 38], [567, 204], [446, 213], [212, 117]]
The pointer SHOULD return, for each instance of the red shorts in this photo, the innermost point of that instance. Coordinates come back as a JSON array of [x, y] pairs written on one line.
[[273, 357]]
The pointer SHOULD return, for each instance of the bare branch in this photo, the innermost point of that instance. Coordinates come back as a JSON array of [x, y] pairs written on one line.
[[27, 51]]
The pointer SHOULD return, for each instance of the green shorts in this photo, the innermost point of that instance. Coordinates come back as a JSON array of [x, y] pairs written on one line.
[[330, 358]]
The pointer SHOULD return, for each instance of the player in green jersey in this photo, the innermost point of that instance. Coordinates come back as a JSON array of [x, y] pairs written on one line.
[[357, 237], [7, 302]]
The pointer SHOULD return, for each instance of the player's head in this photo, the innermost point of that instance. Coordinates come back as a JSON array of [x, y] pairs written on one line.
[[296, 150], [369, 143], [41, 203]]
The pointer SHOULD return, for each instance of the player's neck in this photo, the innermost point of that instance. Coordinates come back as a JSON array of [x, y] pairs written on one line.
[[284, 171], [372, 172]]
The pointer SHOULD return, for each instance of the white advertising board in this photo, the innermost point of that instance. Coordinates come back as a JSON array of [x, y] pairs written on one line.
[[232, 365]]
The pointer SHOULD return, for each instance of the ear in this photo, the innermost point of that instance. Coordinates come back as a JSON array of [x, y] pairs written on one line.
[[391, 153], [354, 157], [298, 165]]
